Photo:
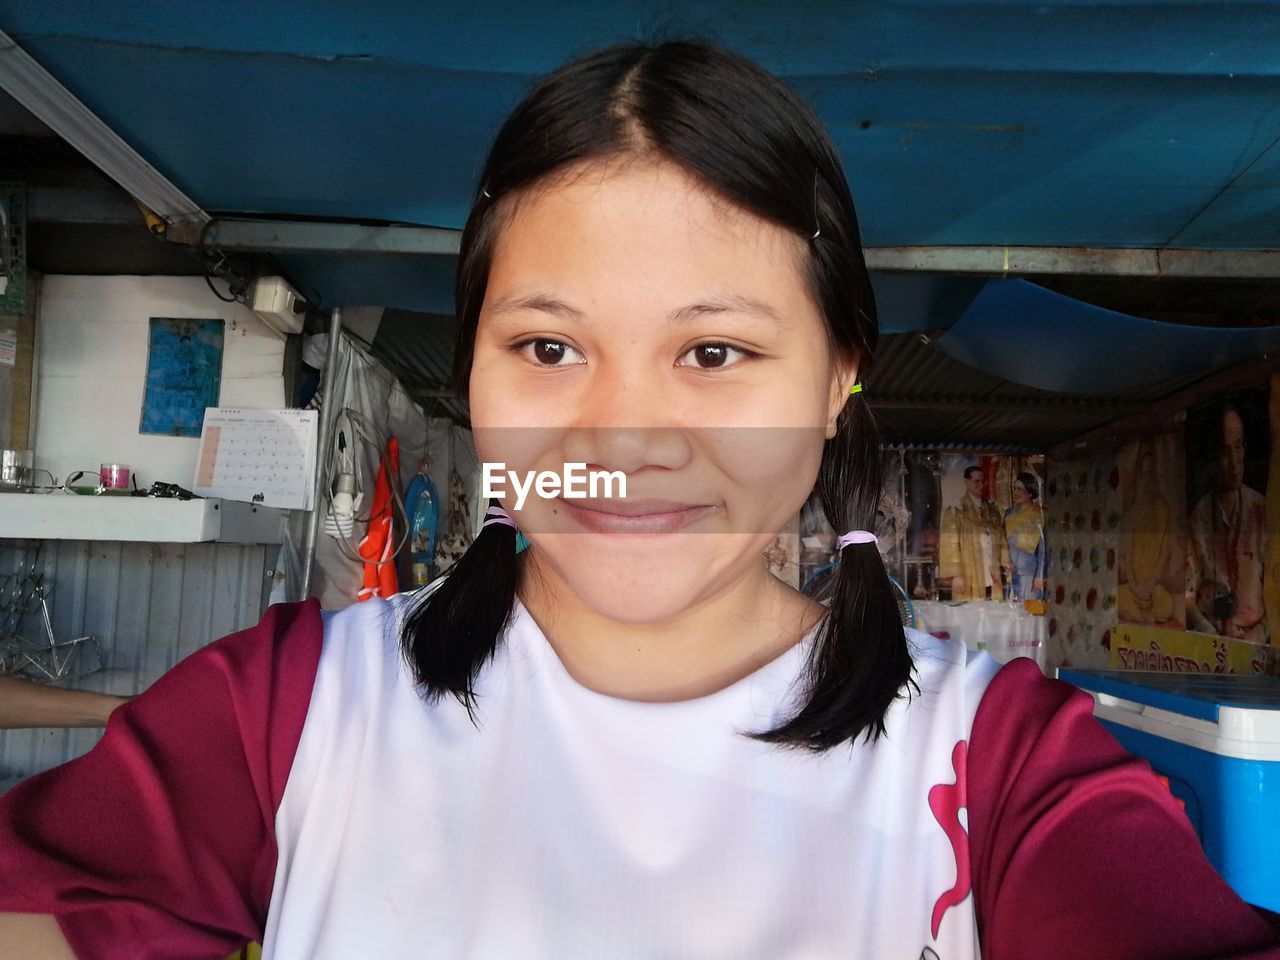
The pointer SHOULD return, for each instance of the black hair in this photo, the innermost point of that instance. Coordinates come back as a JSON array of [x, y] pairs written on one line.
[[1030, 484], [1217, 432], [969, 470], [1207, 427], [748, 138]]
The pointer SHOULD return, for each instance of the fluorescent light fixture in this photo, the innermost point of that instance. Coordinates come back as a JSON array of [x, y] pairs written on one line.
[[41, 93]]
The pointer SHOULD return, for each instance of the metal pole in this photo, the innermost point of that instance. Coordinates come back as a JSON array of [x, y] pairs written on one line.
[[328, 414]]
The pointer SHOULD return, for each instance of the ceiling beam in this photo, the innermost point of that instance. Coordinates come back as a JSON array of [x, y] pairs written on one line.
[[1079, 261], [299, 236], [295, 236], [1039, 408], [60, 110]]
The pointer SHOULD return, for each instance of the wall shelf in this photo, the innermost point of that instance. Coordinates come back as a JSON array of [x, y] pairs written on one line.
[[58, 516]]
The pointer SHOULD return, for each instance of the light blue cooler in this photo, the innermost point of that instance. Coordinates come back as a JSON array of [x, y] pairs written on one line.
[[1217, 740]]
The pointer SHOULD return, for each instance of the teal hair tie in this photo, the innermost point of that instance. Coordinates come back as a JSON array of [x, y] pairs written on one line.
[[521, 543]]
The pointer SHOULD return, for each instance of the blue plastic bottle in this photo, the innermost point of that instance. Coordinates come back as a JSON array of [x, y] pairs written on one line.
[[423, 504]]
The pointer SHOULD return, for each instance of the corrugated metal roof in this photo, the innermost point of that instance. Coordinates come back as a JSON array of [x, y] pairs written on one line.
[[924, 398], [418, 347]]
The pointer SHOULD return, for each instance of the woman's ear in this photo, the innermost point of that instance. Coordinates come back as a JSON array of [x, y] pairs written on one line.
[[844, 375]]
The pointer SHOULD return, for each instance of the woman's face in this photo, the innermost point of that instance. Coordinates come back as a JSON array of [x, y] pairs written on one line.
[[1020, 495], [635, 323]]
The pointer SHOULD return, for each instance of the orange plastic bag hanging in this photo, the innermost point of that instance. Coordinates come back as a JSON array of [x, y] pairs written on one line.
[[378, 546]]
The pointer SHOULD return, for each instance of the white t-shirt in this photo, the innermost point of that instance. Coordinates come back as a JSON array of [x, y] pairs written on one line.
[[572, 824]]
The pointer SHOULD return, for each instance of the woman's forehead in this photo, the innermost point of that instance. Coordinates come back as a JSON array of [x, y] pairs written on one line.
[[645, 225]]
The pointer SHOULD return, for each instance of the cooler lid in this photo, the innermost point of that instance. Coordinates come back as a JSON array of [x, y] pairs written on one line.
[[1192, 694], [1228, 714]]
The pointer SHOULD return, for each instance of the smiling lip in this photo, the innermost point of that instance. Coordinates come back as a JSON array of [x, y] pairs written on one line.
[[634, 516]]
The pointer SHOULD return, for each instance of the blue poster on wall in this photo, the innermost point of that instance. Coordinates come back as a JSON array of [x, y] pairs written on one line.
[[184, 374]]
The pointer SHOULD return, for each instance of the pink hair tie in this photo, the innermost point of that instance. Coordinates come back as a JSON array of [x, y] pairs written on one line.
[[496, 515], [855, 536]]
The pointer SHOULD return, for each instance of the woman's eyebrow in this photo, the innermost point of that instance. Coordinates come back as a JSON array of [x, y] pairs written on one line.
[[537, 302], [726, 304], [730, 303]]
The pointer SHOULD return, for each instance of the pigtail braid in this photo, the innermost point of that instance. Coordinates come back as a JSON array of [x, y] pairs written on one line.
[[860, 663], [453, 626]]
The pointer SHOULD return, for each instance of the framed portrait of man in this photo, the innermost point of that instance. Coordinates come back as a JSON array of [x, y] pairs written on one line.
[[1228, 443]]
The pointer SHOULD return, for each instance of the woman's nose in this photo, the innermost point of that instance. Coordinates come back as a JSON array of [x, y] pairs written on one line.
[[627, 421]]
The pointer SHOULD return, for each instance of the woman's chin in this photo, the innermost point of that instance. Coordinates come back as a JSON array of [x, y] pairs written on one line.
[[659, 603], [640, 581]]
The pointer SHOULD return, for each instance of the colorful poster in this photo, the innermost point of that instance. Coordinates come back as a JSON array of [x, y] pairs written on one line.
[[1021, 489], [1177, 651], [1151, 568], [893, 518], [922, 471], [1227, 469], [1083, 525], [973, 554], [184, 374]]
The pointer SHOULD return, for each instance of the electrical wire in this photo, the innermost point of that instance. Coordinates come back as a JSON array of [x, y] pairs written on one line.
[[220, 266], [208, 279], [366, 433]]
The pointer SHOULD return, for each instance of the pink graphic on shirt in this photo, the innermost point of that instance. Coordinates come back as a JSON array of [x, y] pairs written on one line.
[[946, 801]]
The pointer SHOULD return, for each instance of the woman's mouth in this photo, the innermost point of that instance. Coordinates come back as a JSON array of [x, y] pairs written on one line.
[[634, 516]]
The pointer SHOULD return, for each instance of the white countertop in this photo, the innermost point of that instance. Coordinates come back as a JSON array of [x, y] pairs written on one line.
[[62, 516]]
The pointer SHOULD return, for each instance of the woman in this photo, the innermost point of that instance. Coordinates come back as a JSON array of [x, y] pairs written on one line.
[[627, 740], [1024, 528]]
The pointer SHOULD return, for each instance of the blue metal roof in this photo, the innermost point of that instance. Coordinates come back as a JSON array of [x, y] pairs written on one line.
[[1072, 347], [1092, 123]]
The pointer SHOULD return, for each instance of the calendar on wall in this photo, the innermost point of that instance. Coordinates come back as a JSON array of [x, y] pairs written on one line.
[[258, 456]]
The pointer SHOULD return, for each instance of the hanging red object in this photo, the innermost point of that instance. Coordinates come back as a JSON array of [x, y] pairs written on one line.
[[378, 546]]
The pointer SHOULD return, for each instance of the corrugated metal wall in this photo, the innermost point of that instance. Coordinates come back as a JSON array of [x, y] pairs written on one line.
[[150, 605]]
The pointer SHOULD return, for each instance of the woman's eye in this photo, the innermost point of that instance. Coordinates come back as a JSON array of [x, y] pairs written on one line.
[[712, 356], [550, 353]]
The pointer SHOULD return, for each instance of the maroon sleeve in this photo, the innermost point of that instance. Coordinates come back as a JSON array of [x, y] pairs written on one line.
[[159, 842], [1078, 850]]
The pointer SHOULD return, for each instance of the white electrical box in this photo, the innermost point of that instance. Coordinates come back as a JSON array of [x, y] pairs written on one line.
[[278, 305]]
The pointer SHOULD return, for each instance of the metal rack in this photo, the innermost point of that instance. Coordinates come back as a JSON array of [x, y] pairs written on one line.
[[24, 594]]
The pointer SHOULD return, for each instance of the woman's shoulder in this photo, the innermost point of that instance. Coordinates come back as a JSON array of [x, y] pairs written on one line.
[[1059, 812], [363, 657], [998, 700], [168, 820], [949, 681], [291, 630], [376, 617], [361, 622], [941, 661], [363, 639], [1021, 708]]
